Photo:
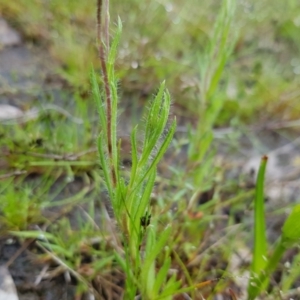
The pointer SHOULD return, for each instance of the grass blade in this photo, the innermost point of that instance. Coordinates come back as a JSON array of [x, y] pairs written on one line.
[[260, 242]]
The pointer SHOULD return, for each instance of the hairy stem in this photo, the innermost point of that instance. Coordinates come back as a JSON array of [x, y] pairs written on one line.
[[102, 56], [106, 24]]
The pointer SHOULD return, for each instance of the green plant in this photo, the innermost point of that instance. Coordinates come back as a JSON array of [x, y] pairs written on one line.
[[262, 266], [21, 205], [130, 197], [212, 62]]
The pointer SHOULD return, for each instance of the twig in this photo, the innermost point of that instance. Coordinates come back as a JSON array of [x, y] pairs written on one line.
[[62, 263], [110, 283], [15, 173], [41, 275]]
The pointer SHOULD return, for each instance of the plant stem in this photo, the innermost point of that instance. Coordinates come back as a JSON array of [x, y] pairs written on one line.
[[260, 241], [106, 24], [102, 56], [264, 277]]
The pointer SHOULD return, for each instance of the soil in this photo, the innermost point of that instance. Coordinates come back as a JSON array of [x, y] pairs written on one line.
[[24, 271]]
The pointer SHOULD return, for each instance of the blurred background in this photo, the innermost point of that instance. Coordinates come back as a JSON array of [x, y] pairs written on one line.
[[163, 40]]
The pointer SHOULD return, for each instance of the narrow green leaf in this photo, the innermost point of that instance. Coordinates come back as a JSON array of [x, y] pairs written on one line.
[[114, 111], [260, 282], [157, 247], [290, 236], [171, 287], [260, 242], [161, 276], [134, 156], [113, 51], [98, 265], [153, 116], [289, 278], [105, 165], [33, 234], [58, 250], [149, 269], [160, 152], [119, 203], [145, 198]]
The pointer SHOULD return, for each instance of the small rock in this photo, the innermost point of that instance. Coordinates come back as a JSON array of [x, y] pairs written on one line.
[[8, 36], [8, 112], [7, 287]]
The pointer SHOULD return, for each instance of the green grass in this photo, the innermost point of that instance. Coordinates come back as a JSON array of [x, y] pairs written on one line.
[[156, 228]]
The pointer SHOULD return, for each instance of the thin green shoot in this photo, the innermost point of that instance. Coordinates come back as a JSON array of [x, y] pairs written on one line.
[[259, 260]]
